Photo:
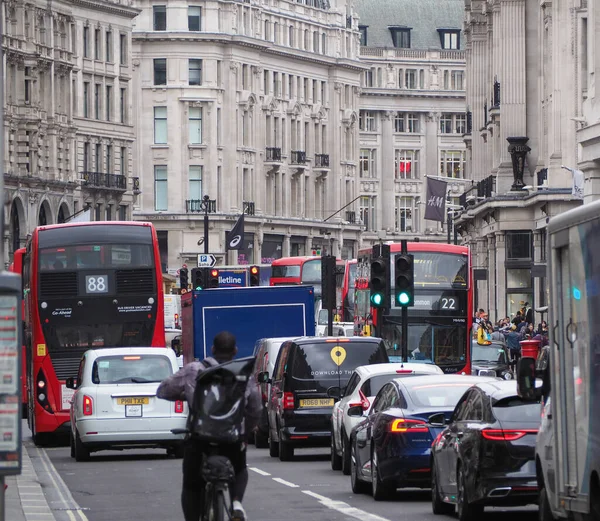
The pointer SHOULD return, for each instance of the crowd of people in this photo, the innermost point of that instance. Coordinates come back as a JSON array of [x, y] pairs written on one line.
[[510, 331]]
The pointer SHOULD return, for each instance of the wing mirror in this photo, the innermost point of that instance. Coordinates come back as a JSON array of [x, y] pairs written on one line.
[[334, 392], [437, 420], [263, 377], [70, 383], [526, 377], [357, 410]]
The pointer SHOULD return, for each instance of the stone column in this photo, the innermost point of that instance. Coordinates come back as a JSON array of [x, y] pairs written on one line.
[[387, 202], [500, 271], [430, 159], [286, 245], [309, 183]]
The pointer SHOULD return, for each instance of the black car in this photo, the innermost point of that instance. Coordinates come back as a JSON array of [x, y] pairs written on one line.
[[299, 408], [486, 455], [491, 360], [391, 447]]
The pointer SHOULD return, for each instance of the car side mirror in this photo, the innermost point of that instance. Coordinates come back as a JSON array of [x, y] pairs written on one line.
[[357, 410], [526, 376], [70, 383], [263, 377], [437, 420], [334, 392]]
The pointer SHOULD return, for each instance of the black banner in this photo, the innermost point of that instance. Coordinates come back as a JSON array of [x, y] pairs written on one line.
[[435, 205], [234, 240]]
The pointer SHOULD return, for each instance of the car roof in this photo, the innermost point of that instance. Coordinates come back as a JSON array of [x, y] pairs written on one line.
[[330, 339], [443, 379], [277, 339], [367, 371], [117, 351], [499, 389]]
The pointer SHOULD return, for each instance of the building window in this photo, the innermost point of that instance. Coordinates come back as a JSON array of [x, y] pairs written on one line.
[[446, 124], [406, 164], [86, 42], [109, 212], [86, 157], [108, 102], [86, 99], [123, 165], [98, 157], [195, 72], [123, 48], [404, 213], [460, 123], [97, 101], [160, 71], [108, 38], [195, 125], [519, 245], [122, 105], [363, 35], [194, 18], [195, 183], [98, 212], [449, 38], [160, 125], [122, 212], [367, 162], [367, 213], [109, 159], [457, 78], [366, 121], [160, 188], [370, 78], [413, 123], [97, 44], [400, 37], [160, 17], [410, 78], [452, 163], [406, 122]]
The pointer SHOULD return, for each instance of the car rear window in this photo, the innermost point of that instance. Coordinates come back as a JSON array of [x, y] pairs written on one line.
[[372, 386], [131, 369], [333, 361], [434, 395], [514, 409]]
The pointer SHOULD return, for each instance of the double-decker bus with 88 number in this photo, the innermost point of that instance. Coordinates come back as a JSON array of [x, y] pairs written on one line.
[[86, 285], [439, 323]]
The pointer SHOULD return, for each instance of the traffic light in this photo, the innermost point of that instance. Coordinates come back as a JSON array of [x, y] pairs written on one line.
[[254, 276], [213, 280], [380, 276], [405, 280], [183, 278], [199, 276], [328, 295]]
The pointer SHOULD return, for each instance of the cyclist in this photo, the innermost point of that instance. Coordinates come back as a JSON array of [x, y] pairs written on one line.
[[181, 386]]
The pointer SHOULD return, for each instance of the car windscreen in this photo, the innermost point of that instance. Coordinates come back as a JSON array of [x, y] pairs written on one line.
[[131, 369], [490, 353], [333, 360], [437, 395], [514, 409]]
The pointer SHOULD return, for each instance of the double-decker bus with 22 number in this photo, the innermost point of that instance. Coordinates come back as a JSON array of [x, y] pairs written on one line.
[[439, 323], [86, 286]]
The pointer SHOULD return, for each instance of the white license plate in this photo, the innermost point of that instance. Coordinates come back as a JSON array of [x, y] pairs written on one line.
[[133, 411]]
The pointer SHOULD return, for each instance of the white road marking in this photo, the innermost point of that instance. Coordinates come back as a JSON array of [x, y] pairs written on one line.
[[286, 483], [258, 471], [345, 508]]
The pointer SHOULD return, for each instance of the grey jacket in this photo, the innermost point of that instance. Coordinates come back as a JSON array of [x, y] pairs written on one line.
[[182, 384]]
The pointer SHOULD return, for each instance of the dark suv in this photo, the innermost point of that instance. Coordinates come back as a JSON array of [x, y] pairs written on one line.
[[299, 409]]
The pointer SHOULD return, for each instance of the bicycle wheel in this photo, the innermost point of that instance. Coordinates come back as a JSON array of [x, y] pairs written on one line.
[[218, 510]]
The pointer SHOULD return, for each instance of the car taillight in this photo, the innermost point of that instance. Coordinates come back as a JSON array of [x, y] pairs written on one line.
[[403, 425], [288, 400], [404, 371], [179, 406], [437, 439], [506, 435], [88, 406]]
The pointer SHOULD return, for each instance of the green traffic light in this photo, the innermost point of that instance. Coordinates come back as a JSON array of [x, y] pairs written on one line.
[[403, 298], [377, 299]]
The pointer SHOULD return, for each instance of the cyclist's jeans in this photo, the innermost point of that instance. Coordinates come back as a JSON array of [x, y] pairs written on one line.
[[192, 495]]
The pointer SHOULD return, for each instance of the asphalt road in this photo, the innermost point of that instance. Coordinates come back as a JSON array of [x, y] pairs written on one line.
[[145, 485]]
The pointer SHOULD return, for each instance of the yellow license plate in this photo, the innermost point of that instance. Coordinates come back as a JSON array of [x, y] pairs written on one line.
[[317, 402], [133, 401]]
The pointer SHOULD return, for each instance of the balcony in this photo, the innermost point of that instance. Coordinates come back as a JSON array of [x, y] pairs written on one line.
[[104, 181], [321, 160], [273, 155], [351, 216], [200, 206], [298, 157], [249, 207]]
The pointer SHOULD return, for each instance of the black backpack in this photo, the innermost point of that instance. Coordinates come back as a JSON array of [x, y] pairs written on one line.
[[219, 404]]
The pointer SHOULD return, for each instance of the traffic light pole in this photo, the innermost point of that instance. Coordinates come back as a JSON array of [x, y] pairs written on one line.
[[404, 250]]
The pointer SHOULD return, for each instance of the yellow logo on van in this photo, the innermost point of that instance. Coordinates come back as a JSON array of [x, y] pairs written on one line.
[[338, 355]]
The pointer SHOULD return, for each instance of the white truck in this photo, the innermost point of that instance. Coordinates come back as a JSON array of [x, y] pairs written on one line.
[[568, 441]]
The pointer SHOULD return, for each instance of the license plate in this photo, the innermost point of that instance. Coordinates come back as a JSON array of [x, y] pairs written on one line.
[[133, 401], [317, 402], [133, 410]]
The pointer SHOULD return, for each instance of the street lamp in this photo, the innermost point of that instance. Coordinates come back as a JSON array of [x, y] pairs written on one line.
[[207, 205]]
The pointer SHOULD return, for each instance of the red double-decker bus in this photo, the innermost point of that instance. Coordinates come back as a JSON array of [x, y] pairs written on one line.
[[86, 285], [439, 323], [348, 289], [17, 267]]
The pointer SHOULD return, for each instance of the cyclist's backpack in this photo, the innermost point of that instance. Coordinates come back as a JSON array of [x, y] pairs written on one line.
[[219, 405]]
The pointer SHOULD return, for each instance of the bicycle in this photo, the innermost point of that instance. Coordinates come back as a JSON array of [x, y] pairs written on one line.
[[217, 472]]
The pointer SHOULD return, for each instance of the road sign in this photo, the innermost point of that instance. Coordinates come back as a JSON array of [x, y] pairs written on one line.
[[206, 260]]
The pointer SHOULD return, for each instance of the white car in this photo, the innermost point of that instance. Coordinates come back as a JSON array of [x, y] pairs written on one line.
[[363, 386], [115, 405]]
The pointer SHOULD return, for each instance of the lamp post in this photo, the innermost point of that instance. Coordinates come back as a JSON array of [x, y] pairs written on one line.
[[207, 205], [518, 149]]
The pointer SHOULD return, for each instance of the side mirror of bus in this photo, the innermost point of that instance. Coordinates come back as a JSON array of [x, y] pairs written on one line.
[[526, 379], [70, 383], [263, 377]]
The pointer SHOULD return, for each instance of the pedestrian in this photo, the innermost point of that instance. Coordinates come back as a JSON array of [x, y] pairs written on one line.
[[512, 342], [497, 336], [482, 335]]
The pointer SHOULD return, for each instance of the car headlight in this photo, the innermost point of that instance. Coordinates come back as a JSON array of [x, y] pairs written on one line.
[[508, 375]]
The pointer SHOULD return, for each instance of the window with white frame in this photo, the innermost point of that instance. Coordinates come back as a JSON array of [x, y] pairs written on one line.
[[449, 38], [400, 122], [406, 122], [406, 164], [413, 123], [195, 182], [457, 80], [195, 71], [366, 121], [446, 124], [404, 213], [367, 162], [460, 121], [452, 163], [160, 188], [410, 78], [368, 212], [160, 125], [194, 13], [195, 125]]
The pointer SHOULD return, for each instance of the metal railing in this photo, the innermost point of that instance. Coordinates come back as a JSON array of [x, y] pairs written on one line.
[[249, 207], [273, 154], [351, 216], [198, 206], [298, 157], [322, 160], [102, 180]]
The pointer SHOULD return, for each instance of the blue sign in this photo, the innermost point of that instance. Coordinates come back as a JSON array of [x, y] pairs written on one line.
[[232, 278]]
